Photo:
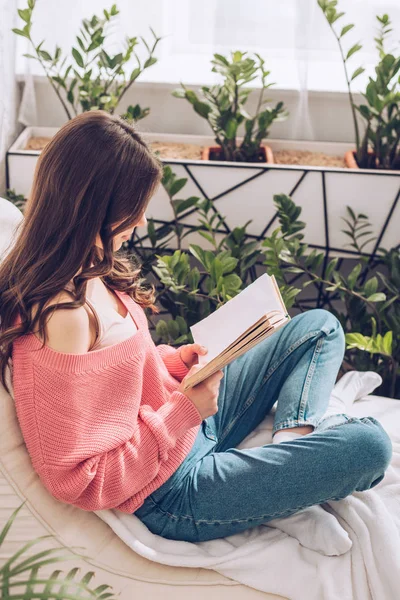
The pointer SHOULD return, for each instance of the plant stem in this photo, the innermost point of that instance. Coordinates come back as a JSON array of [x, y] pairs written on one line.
[[347, 291], [394, 377], [349, 88], [51, 81], [260, 100], [177, 232]]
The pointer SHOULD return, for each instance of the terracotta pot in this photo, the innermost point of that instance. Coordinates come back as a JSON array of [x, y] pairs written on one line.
[[265, 152], [350, 159]]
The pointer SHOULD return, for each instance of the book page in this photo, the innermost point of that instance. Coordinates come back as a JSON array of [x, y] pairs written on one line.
[[226, 358], [222, 327]]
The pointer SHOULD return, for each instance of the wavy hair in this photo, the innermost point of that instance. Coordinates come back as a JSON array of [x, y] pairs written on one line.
[[96, 172]]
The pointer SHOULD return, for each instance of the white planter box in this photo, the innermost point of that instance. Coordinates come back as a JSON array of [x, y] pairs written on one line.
[[244, 191]]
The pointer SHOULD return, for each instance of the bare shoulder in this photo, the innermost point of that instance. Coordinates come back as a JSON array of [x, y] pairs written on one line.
[[68, 330]]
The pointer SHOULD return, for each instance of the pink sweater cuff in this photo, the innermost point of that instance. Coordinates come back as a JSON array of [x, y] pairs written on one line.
[[171, 420], [172, 360]]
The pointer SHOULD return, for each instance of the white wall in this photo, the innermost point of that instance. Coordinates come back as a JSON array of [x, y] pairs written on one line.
[[328, 117]]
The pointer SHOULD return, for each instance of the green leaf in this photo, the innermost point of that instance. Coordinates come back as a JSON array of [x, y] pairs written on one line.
[[331, 266], [231, 128], [228, 264], [173, 329], [351, 212], [206, 236], [198, 253], [353, 276], [353, 50], [25, 15], [135, 74], [149, 62], [387, 343], [162, 329], [294, 269], [193, 278], [20, 32], [370, 286], [151, 232], [357, 72], [182, 205], [357, 340], [59, 81], [232, 284], [77, 57], [379, 297], [216, 270], [345, 29], [45, 55], [176, 187]]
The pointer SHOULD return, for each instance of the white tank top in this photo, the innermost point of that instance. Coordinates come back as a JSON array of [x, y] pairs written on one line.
[[111, 326]]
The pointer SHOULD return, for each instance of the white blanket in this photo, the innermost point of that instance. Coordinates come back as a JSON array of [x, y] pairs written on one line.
[[269, 560]]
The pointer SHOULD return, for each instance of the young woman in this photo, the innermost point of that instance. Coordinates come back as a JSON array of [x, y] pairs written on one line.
[[101, 407]]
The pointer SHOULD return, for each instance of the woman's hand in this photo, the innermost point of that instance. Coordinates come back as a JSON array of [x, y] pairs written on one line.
[[189, 353]]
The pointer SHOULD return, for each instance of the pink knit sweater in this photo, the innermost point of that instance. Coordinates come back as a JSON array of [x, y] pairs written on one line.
[[106, 428]]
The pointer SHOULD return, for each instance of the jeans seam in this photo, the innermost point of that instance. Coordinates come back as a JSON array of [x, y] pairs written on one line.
[[173, 517], [268, 375], [309, 376]]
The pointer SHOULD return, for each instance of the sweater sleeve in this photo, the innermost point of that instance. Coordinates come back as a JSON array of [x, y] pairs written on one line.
[[109, 478], [172, 360]]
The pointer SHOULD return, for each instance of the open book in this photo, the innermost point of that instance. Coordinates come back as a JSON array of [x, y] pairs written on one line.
[[238, 325]]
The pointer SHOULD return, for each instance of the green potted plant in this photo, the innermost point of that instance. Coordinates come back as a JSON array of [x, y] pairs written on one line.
[[223, 106], [378, 146], [75, 84], [88, 78]]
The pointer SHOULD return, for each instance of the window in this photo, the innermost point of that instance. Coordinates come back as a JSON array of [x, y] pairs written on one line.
[[291, 35]]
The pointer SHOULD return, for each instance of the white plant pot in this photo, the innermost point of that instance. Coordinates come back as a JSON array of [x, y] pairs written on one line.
[[244, 191]]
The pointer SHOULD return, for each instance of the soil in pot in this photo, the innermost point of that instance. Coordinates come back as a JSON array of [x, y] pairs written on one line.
[[310, 159], [178, 151], [182, 151], [37, 143]]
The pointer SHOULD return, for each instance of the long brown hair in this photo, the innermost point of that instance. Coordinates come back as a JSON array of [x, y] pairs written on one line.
[[94, 173]]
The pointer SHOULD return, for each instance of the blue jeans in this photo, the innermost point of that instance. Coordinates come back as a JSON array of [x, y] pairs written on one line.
[[219, 490]]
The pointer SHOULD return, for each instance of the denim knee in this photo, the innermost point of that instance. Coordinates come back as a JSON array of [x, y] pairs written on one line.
[[369, 453], [364, 455], [319, 318], [377, 444]]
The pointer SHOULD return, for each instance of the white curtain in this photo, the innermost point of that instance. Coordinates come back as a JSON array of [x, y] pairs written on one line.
[[8, 84], [291, 35]]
